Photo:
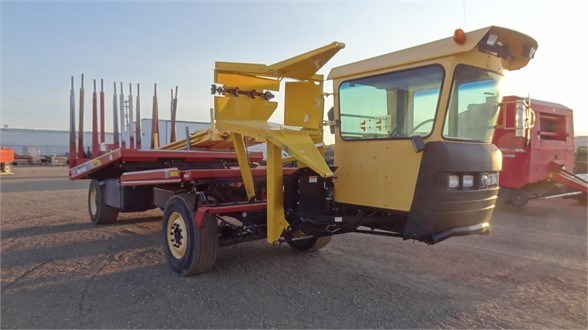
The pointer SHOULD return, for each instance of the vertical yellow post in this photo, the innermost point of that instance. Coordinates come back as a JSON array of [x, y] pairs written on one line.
[[239, 147], [276, 221]]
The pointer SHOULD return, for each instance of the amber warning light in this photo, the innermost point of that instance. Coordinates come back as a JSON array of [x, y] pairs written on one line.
[[459, 36]]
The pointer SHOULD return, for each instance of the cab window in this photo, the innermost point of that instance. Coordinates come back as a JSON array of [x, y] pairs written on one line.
[[393, 105]]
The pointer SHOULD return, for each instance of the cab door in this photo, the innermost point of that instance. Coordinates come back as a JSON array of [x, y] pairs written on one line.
[[379, 117]]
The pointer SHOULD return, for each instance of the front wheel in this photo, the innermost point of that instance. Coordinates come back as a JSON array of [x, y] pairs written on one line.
[[100, 213], [7, 167], [189, 249], [519, 197]]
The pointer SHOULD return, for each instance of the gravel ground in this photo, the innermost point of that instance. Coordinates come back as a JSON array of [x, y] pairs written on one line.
[[60, 271]]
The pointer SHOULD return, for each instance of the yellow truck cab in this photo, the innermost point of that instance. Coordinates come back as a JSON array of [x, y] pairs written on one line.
[[413, 132]]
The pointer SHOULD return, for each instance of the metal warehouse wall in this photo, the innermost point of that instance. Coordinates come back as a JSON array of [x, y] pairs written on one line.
[[165, 131], [41, 142]]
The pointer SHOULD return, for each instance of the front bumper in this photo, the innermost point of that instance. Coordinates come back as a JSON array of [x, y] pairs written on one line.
[[438, 212], [481, 228]]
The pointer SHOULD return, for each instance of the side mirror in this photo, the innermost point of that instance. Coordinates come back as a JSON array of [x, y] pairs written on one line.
[[331, 118]]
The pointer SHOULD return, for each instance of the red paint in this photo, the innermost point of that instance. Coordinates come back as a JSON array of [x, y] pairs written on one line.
[[95, 133], [6, 155], [226, 173], [565, 177], [225, 209], [174, 175], [459, 37], [147, 156], [102, 132]]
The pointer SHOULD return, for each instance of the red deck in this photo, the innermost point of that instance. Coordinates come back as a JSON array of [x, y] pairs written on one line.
[[174, 175], [108, 160]]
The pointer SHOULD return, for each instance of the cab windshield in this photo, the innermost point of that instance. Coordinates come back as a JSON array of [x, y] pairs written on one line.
[[473, 105]]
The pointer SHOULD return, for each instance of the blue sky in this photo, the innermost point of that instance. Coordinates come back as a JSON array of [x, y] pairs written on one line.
[[176, 43]]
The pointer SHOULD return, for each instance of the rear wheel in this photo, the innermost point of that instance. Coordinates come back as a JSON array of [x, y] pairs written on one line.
[[189, 249], [100, 213]]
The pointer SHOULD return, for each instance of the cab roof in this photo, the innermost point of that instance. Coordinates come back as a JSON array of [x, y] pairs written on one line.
[[516, 42]]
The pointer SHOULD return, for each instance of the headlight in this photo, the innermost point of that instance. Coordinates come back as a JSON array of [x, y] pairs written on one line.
[[468, 181], [453, 181], [484, 180]]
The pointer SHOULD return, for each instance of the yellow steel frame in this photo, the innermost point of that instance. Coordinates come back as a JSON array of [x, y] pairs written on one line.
[[366, 176], [241, 120]]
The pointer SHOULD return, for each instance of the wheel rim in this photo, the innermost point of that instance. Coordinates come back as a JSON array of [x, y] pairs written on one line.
[[177, 235], [93, 201]]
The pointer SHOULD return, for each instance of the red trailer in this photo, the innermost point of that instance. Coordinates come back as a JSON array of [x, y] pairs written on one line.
[[538, 164]]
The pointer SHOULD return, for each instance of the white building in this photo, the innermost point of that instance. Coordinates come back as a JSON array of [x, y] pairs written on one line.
[[165, 130], [43, 142]]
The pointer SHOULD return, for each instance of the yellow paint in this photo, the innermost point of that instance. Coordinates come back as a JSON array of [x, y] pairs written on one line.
[[301, 67], [305, 66], [241, 120], [155, 141], [244, 165], [441, 49], [276, 221], [304, 104], [295, 141], [243, 108], [383, 173], [246, 82]]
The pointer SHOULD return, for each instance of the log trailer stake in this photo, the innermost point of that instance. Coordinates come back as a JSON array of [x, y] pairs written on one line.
[[72, 124], [115, 117], [80, 154], [138, 128]]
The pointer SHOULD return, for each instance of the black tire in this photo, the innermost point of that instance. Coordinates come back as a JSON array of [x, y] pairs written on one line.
[[189, 250], [100, 213], [7, 167], [309, 244], [519, 197]]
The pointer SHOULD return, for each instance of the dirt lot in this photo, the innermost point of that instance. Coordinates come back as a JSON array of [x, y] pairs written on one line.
[[60, 271]]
